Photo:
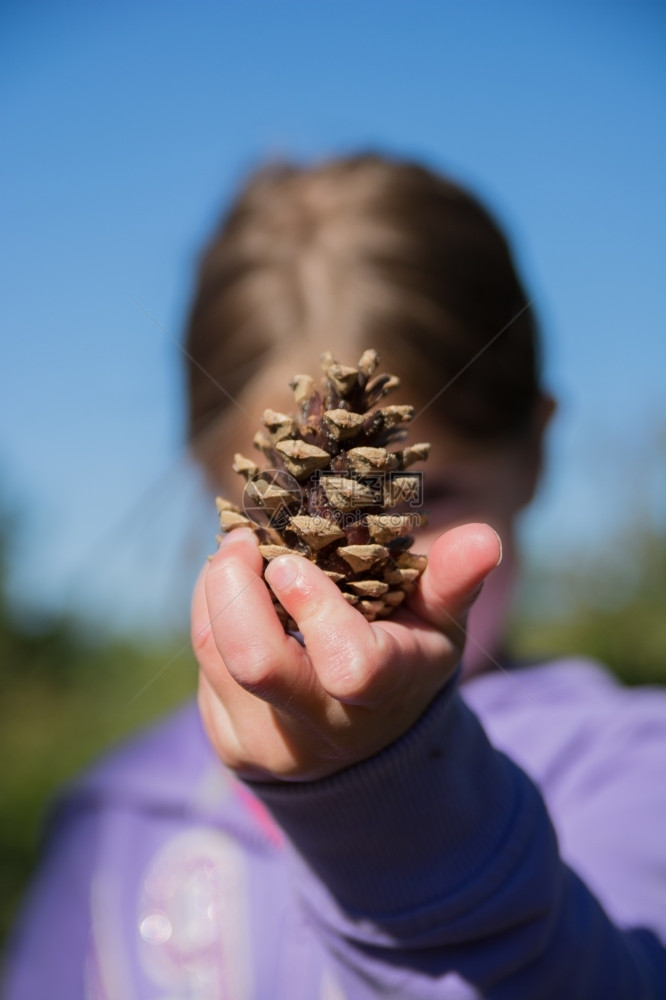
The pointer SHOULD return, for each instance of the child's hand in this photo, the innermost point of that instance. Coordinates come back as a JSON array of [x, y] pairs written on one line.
[[275, 709]]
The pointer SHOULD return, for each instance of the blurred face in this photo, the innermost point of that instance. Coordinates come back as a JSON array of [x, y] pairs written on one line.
[[465, 483]]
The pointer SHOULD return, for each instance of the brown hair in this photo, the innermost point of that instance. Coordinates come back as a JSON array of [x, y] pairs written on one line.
[[356, 252]]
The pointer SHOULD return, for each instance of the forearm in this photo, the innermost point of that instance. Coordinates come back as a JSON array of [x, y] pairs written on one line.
[[438, 856]]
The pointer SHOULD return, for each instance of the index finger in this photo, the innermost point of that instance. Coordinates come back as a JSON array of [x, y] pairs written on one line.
[[247, 633]]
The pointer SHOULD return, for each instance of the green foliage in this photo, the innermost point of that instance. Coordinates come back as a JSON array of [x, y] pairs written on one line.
[[611, 609]]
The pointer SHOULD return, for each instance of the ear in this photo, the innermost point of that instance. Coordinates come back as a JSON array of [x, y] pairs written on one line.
[[535, 444]]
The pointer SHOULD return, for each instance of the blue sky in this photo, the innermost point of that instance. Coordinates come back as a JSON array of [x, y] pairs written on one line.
[[126, 128]]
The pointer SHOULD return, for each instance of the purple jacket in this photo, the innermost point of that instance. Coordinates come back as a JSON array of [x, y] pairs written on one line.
[[511, 845]]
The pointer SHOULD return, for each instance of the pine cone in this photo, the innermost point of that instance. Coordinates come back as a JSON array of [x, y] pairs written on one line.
[[332, 484]]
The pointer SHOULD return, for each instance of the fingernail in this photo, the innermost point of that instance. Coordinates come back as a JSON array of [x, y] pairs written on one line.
[[499, 558], [235, 535], [282, 571]]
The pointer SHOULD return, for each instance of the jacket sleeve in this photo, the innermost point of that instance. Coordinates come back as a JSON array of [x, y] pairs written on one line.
[[433, 869]]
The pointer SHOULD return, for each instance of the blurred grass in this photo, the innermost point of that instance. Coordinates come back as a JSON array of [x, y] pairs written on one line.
[[66, 698], [609, 606], [630, 640]]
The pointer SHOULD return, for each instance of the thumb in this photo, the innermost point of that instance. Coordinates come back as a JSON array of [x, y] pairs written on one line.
[[458, 563]]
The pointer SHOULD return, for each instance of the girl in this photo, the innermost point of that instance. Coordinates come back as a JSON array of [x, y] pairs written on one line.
[[391, 809]]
